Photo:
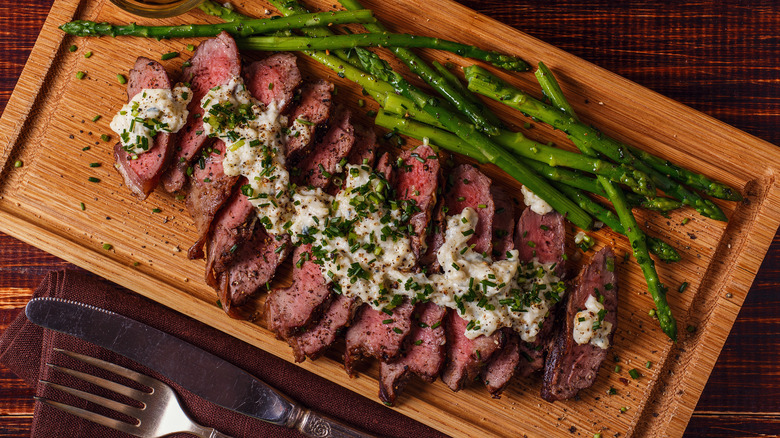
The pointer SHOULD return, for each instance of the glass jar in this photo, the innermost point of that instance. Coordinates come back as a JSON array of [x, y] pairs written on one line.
[[156, 8]]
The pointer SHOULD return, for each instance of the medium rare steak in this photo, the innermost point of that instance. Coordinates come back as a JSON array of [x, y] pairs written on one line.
[[365, 148], [571, 367], [424, 356], [214, 63], [313, 342], [234, 224], [291, 310], [317, 168], [434, 239], [313, 107], [274, 79], [385, 166], [503, 223], [417, 178], [209, 189], [466, 357], [142, 175], [377, 334], [471, 188]]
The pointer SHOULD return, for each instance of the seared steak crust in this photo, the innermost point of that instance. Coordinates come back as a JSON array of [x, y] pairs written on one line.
[[570, 366], [313, 342], [466, 357]]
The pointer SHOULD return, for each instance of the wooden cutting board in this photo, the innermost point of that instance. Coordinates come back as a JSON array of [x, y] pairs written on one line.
[[48, 126]]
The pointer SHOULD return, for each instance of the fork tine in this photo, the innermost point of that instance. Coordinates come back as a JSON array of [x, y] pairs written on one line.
[[107, 402], [91, 416], [112, 367], [111, 386]]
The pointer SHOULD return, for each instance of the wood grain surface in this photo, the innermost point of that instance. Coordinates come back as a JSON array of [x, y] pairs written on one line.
[[719, 59]]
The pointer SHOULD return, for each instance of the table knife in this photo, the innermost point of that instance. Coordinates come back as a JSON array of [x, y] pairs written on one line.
[[196, 370]]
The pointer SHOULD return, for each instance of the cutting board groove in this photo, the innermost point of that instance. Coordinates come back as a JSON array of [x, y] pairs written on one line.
[[47, 123]]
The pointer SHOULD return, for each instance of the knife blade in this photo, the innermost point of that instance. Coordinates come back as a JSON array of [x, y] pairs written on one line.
[[196, 370]]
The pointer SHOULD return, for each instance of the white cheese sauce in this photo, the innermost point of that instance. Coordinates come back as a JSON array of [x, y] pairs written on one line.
[[149, 112], [535, 203], [589, 324]]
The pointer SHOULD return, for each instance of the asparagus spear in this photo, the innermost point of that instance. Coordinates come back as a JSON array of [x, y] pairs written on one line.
[[471, 97], [492, 153], [635, 234], [379, 39], [237, 28], [419, 67], [481, 81]]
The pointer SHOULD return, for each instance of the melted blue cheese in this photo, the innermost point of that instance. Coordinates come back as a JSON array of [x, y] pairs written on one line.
[[149, 112], [537, 290], [589, 324], [534, 202], [252, 133]]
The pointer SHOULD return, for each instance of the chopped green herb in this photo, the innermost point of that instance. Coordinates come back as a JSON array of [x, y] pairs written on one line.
[[83, 207], [96, 118], [121, 78], [618, 368], [72, 48], [648, 365], [634, 373], [623, 409], [107, 246], [682, 287], [169, 55], [397, 330], [611, 391], [191, 47], [80, 75], [652, 313], [105, 137], [685, 220], [93, 179], [18, 164], [94, 164], [156, 210]]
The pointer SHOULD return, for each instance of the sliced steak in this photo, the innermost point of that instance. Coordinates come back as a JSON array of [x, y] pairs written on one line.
[[214, 63], [365, 148], [424, 356], [317, 168], [315, 341], [385, 166], [313, 107], [377, 334], [234, 224], [274, 79], [253, 266], [209, 189], [498, 372], [571, 367], [417, 178], [435, 239], [466, 357], [471, 188], [291, 310], [141, 175]]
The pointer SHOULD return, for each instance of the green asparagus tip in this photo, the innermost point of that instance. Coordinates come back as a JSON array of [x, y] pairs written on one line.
[[722, 191]]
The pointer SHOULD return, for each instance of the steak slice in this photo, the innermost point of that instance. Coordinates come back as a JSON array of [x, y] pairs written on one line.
[[466, 357], [313, 342], [425, 353], [214, 63], [209, 189], [471, 188], [377, 334], [385, 167], [570, 366], [274, 79], [234, 224], [314, 107], [317, 168], [417, 178], [142, 175], [435, 239], [364, 150], [291, 310], [498, 372]]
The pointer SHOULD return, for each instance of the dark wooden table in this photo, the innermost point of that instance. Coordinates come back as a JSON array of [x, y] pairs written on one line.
[[719, 57]]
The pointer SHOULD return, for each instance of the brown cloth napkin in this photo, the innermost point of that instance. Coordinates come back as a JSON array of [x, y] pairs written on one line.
[[25, 348]]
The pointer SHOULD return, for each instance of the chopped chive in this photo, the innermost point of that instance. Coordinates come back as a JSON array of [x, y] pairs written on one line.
[[156, 210], [683, 286], [93, 179], [96, 118], [597, 435], [121, 78], [651, 313], [648, 365], [387, 321], [361, 103], [634, 373], [186, 64], [169, 55], [397, 330], [623, 409], [80, 75], [191, 47], [107, 246], [611, 391], [86, 148], [94, 164], [105, 137], [418, 342], [88, 54], [618, 368], [18, 164], [685, 220], [72, 48], [83, 207]]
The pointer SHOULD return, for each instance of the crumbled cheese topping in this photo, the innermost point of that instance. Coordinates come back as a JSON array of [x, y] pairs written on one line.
[[535, 203], [589, 324]]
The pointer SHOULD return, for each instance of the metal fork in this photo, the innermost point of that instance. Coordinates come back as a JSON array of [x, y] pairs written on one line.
[[162, 413]]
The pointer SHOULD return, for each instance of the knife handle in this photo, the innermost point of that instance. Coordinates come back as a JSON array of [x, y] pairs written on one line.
[[317, 425]]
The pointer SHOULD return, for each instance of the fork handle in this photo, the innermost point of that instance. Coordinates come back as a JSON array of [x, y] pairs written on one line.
[[315, 425], [207, 432]]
